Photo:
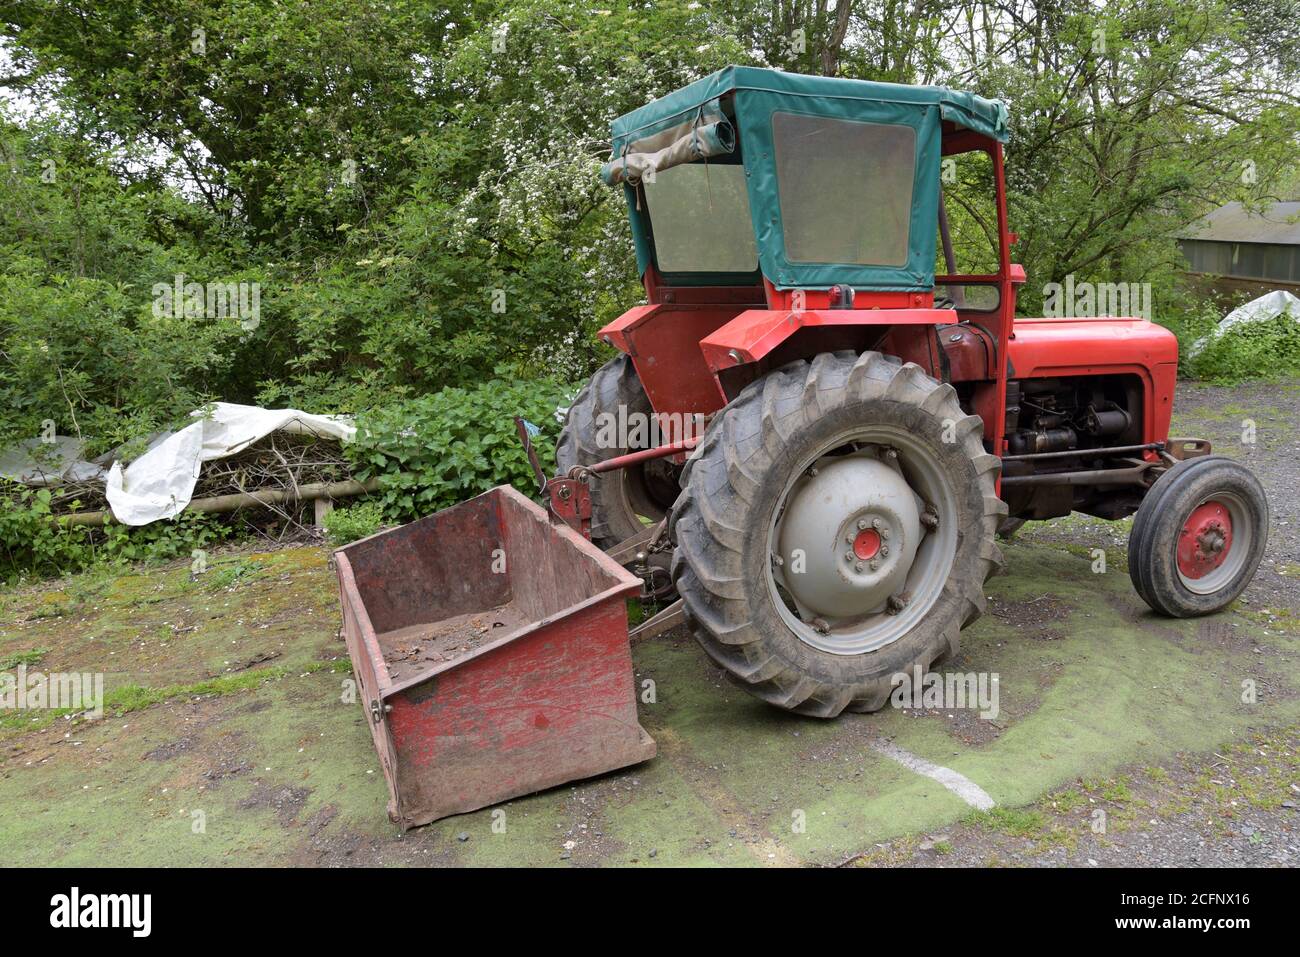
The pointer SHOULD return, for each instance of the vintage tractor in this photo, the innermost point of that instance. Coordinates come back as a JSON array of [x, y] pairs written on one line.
[[870, 426], [806, 449]]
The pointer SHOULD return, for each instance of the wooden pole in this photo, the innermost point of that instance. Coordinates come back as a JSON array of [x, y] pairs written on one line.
[[229, 503]]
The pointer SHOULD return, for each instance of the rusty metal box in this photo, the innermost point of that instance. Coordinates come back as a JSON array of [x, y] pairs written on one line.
[[491, 652]]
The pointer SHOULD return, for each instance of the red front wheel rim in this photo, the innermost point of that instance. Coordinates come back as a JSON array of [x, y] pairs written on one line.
[[1205, 540], [1214, 544]]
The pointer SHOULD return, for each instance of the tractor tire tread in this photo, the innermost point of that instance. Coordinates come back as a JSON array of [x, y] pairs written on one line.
[[713, 515]]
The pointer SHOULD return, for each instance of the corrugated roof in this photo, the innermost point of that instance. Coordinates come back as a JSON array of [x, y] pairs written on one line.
[[1280, 224]]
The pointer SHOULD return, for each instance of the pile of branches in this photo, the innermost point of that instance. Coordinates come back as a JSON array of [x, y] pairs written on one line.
[[280, 461]]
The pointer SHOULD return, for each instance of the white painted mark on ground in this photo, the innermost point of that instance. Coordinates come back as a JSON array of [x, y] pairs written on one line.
[[958, 784]]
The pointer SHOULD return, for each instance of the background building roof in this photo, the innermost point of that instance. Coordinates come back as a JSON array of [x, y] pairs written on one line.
[[1234, 224]]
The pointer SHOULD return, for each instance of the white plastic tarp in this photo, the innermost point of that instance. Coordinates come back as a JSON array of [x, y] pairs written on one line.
[[1268, 306], [160, 482], [41, 462]]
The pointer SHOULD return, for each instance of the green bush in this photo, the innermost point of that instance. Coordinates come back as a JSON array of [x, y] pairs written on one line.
[[439, 449], [1266, 349], [1189, 319], [32, 541], [35, 542], [162, 541], [344, 525]]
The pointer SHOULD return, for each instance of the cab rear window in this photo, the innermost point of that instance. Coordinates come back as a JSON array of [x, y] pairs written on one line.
[[845, 189]]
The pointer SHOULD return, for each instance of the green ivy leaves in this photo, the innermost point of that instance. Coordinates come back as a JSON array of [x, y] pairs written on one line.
[[437, 450]]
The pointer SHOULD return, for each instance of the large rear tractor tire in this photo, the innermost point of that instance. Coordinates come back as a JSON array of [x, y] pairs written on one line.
[[1198, 537], [620, 500], [834, 530]]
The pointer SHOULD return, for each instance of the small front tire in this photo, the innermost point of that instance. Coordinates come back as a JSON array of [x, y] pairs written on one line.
[[1198, 537]]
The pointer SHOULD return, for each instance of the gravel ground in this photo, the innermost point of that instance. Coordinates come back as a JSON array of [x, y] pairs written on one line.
[[1235, 807], [1224, 416]]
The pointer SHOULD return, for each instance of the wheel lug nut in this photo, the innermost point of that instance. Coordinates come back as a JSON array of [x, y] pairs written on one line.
[[858, 567], [875, 523], [848, 556], [862, 524], [884, 549], [875, 563], [884, 534]]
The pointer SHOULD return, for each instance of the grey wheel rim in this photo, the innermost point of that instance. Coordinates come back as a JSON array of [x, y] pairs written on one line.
[[849, 607]]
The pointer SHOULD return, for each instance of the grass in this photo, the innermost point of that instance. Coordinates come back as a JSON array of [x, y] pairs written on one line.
[[93, 583], [1259, 773], [231, 574], [16, 658], [1158, 775], [130, 698], [1282, 619], [894, 854], [1016, 822], [1116, 790], [134, 697], [52, 609], [1027, 823], [635, 612], [1066, 800]]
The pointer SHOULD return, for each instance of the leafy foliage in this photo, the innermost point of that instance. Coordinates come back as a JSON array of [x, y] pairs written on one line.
[[344, 525], [34, 542], [1250, 350], [413, 185], [437, 450]]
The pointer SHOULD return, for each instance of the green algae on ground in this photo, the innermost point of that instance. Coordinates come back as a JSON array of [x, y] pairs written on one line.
[[126, 791], [167, 626], [13, 659], [283, 770], [125, 699]]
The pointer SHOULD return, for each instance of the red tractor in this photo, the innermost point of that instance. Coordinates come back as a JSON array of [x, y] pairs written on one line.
[[871, 426]]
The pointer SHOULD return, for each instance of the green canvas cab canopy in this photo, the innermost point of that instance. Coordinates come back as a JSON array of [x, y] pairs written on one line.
[[836, 180]]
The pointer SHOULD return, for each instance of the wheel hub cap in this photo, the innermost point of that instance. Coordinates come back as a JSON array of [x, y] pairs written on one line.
[[848, 537], [867, 544], [1205, 540]]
